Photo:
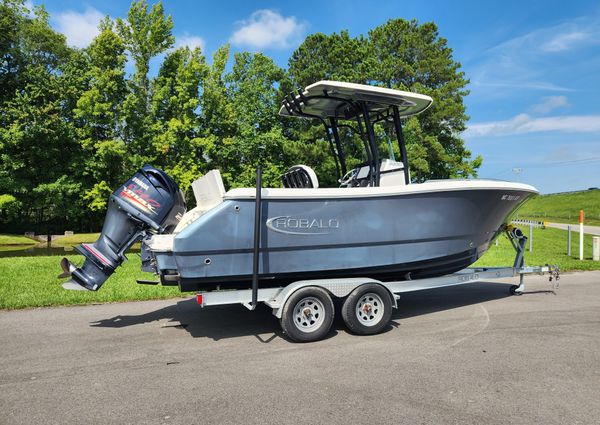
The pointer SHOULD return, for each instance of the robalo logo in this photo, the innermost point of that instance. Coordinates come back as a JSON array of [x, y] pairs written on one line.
[[303, 226]]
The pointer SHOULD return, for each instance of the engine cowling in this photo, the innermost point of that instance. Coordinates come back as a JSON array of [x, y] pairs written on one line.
[[148, 202]]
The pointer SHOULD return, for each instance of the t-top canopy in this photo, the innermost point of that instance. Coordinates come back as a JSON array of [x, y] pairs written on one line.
[[334, 99]]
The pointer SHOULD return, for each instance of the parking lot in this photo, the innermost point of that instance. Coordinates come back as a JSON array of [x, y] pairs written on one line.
[[469, 354]]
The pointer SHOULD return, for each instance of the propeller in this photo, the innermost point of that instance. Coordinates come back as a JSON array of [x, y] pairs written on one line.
[[66, 267]]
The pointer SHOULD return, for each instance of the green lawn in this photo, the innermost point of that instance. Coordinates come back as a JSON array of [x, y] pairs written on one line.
[[564, 207], [76, 239], [16, 240], [32, 282], [549, 247]]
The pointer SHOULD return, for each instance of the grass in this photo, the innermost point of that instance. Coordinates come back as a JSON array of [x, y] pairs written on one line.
[[564, 207], [32, 282], [14, 247], [549, 247], [76, 239], [16, 240]]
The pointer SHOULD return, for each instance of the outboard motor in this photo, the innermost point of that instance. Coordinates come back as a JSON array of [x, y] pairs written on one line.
[[149, 202]]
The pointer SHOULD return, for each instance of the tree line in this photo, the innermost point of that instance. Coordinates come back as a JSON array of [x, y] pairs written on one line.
[[74, 123]]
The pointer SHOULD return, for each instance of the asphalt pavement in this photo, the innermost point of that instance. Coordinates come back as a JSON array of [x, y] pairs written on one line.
[[468, 354], [589, 230]]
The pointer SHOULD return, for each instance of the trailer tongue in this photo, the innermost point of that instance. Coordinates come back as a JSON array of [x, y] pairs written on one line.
[[148, 202]]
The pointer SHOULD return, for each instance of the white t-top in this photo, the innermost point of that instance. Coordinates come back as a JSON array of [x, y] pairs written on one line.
[[378, 98]]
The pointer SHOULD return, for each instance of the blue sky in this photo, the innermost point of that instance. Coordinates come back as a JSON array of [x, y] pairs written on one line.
[[534, 66]]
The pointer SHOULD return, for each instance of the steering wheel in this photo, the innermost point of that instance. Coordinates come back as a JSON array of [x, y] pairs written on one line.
[[350, 178]]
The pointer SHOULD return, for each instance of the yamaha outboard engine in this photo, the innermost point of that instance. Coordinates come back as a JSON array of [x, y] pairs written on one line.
[[149, 202]]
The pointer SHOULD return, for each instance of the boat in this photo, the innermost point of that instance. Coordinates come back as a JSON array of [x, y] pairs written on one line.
[[377, 224]]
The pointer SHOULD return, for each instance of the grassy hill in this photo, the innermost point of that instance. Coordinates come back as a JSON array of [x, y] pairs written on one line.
[[564, 207]]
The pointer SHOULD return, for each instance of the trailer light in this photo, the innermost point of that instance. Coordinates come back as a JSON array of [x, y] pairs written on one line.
[[199, 299]]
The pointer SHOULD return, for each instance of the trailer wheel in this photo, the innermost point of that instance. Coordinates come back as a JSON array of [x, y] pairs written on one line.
[[307, 314], [368, 309]]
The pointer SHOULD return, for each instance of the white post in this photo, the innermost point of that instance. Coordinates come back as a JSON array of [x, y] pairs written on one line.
[[596, 248], [569, 240], [530, 237], [581, 234]]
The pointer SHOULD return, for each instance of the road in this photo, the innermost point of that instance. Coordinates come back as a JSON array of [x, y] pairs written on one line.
[[469, 354], [590, 230]]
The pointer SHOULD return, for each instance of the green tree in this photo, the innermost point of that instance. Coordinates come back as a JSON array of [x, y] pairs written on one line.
[[38, 143], [74, 125], [99, 117], [329, 57], [146, 34], [407, 56], [251, 133], [410, 56], [175, 101], [217, 112]]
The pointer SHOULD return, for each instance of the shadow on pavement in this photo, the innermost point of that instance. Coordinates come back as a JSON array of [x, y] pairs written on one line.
[[229, 321], [434, 300]]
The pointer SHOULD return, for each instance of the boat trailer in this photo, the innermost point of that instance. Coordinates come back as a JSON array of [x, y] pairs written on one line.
[[305, 307]]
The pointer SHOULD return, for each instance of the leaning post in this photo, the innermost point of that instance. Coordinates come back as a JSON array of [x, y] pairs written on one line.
[[581, 234]]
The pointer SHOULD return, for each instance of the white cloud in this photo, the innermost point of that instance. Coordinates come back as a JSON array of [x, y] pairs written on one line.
[[532, 61], [520, 84], [79, 28], [550, 103], [564, 41], [267, 29], [191, 41], [523, 123]]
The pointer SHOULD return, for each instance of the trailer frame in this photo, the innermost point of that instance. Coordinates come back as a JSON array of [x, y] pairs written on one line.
[[276, 298]]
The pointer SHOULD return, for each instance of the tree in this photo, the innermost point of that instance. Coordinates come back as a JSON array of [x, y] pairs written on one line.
[[413, 57], [175, 100], [74, 125], [249, 133], [38, 143], [329, 57], [146, 34], [407, 56], [99, 117]]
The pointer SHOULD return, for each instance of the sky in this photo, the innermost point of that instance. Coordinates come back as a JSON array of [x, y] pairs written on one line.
[[533, 66]]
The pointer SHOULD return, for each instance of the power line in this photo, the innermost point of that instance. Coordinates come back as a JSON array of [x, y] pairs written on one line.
[[582, 161]]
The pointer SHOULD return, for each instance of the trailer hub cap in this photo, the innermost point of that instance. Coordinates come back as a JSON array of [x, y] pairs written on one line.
[[369, 309], [309, 313]]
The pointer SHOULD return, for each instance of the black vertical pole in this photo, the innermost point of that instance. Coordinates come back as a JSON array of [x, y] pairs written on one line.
[[371, 137], [333, 152], [257, 228], [401, 142], [338, 144]]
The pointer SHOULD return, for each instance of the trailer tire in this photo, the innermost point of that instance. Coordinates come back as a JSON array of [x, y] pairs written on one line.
[[307, 314], [368, 309]]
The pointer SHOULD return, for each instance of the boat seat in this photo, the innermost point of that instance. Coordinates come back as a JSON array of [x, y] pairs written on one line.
[[208, 191], [300, 177]]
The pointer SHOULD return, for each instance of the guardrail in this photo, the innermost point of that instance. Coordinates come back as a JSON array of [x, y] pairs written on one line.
[[534, 223]]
